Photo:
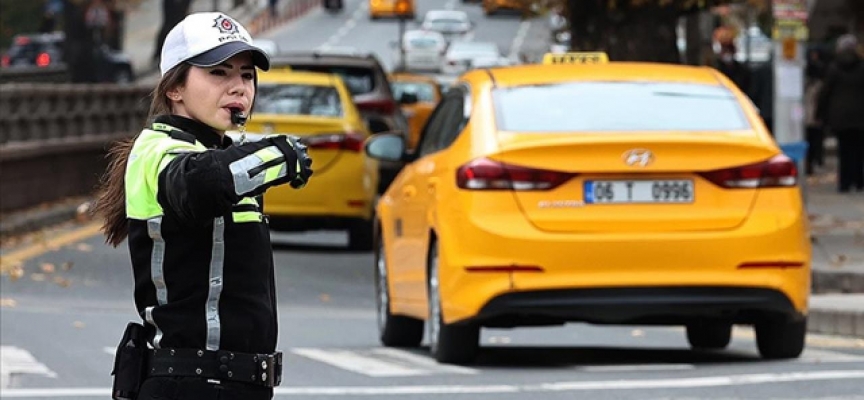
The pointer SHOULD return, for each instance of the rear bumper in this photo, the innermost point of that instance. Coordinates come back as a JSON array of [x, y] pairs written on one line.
[[493, 232], [642, 306]]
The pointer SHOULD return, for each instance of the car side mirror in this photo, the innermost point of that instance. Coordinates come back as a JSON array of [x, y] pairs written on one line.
[[408, 98], [387, 146]]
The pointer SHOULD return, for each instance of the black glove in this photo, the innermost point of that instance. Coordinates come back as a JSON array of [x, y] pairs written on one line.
[[297, 159]]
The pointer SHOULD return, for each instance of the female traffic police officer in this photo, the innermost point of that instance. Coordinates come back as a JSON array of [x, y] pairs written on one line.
[[200, 247]]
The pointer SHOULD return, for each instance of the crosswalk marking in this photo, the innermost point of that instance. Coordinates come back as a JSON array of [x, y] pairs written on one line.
[[422, 361], [361, 364], [14, 360], [381, 362]]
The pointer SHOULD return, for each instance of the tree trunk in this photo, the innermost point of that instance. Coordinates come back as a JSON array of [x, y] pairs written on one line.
[[693, 31], [646, 33], [79, 46], [173, 11]]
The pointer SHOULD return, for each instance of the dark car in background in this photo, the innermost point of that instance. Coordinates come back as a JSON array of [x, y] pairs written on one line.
[[46, 50], [370, 90]]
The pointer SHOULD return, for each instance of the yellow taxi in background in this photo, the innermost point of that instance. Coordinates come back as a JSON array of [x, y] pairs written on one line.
[[318, 108], [492, 6], [607, 193], [418, 95], [391, 8]]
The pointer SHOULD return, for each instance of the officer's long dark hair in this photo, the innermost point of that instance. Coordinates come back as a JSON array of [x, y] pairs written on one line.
[[111, 198]]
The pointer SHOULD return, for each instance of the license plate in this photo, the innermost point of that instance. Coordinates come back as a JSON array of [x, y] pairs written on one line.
[[641, 191]]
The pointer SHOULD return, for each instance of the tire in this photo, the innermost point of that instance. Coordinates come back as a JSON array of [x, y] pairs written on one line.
[[709, 335], [360, 235], [781, 339], [448, 343], [393, 330]]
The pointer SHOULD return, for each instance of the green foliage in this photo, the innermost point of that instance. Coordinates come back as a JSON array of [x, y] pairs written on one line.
[[17, 16]]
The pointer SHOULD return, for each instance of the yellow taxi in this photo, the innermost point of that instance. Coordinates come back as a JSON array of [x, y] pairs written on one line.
[[418, 95], [493, 6], [318, 108], [584, 191], [391, 8]]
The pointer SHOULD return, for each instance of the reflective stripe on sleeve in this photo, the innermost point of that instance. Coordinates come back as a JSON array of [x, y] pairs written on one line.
[[254, 170]]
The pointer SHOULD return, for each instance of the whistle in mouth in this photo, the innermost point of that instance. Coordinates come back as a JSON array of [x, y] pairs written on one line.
[[238, 118]]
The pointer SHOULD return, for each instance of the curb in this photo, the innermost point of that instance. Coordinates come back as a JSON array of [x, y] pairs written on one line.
[[836, 322], [837, 282], [29, 221]]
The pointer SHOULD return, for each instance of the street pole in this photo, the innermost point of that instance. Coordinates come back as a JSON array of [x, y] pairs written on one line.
[[401, 66], [789, 34]]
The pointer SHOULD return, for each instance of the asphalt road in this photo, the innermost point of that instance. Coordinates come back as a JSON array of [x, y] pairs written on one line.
[[60, 320]]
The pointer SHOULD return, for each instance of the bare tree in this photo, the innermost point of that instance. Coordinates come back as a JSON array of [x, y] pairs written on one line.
[[633, 30]]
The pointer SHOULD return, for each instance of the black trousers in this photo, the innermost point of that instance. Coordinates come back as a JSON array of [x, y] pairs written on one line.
[[850, 154], [815, 148], [188, 388]]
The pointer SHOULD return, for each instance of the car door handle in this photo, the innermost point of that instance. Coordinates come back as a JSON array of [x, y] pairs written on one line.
[[409, 191]]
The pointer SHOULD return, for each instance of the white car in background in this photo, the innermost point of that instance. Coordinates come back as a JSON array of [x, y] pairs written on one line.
[[454, 25], [424, 50], [463, 56]]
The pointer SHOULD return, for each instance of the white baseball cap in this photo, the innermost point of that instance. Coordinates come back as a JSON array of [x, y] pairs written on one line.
[[206, 39]]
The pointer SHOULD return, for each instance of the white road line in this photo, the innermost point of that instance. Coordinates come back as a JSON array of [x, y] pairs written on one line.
[[677, 383], [19, 361], [424, 362], [628, 368], [354, 362], [346, 27], [516, 46]]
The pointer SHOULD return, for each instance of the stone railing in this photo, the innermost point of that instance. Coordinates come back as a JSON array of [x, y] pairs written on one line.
[[54, 137]]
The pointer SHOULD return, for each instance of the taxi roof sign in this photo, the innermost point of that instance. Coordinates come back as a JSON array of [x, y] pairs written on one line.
[[596, 57]]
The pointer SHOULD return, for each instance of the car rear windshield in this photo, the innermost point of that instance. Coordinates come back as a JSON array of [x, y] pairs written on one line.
[[423, 42], [358, 79], [618, 106], [424, 91], [294, 99]]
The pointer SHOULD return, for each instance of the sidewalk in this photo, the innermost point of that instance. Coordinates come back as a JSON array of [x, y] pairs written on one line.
[[837, 228]]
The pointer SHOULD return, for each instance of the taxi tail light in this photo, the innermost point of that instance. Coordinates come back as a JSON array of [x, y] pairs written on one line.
[[779, 171], [383, 106], [351, 141], [486, 174], [5, 61]]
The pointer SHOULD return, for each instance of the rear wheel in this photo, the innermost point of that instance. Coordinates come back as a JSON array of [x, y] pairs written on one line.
[[448, 343], [360, 235], [709, 335], [393, 330], [781, 339]]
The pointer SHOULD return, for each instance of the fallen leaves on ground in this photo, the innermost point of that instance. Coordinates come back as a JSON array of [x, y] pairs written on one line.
[[78, 324], [62, 282], [324, 297], [84, 247], [47, 268], [38, 277], [67, 265], [9, 303], [16, 272]]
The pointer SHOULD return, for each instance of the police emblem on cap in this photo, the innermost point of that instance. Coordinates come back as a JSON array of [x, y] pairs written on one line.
[[225, 25]]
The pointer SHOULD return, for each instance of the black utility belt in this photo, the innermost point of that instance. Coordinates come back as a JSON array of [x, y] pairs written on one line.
[[257, 369]]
